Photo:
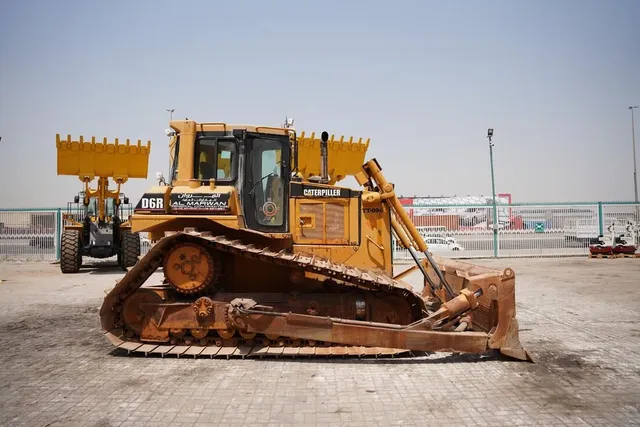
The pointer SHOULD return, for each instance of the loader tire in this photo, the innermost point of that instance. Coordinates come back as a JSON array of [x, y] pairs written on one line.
[[70, 256], [130, 249]]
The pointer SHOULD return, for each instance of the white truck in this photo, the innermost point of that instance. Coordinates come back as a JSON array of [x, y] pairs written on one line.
[[581, 230], [435, 231]]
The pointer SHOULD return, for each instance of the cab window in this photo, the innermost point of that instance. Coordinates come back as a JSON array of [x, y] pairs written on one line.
[[215, 158], [226, 158], [109, 207], [174, 165]]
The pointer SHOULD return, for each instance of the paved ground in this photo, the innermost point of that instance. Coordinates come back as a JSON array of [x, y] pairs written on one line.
[[579, 318]]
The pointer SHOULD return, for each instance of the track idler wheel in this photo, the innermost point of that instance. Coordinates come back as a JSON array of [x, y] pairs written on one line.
[[132, 314], [189, 268]]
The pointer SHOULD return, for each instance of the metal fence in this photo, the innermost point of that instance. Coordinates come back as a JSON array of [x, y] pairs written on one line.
[[34, 234], [30, 234], [523, 230]]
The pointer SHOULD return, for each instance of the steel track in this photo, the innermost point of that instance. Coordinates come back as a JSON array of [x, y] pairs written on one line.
[[257, 351], [117, 333]]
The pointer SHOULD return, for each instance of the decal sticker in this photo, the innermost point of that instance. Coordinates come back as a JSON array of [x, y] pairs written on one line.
[[270, 209], [373, 210], [321, 192], [151, 202], [316, 191], [200, 202]]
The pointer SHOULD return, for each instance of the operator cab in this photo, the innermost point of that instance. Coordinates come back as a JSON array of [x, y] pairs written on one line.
[[260, 182], [227, 171]]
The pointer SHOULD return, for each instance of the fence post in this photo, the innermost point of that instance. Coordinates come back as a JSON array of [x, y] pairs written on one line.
[[58, 227], [393, 246], [495, 230], [600, 220]]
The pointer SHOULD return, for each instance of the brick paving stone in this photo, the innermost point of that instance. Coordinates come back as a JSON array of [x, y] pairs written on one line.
[[581, 327]]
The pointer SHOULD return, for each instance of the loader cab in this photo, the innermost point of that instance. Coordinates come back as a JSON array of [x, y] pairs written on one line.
[[92, 210]]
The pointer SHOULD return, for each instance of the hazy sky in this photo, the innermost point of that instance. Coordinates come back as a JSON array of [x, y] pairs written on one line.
[[422, 79]]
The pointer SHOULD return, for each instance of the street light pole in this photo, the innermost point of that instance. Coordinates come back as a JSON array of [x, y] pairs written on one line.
[[170, 111], [493, 196], [633, 137]]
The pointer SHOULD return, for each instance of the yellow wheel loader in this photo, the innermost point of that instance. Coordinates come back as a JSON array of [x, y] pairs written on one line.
[[263, 254], [96, 224]]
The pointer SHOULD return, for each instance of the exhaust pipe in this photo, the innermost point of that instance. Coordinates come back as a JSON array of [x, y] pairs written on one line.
[[324, 154]]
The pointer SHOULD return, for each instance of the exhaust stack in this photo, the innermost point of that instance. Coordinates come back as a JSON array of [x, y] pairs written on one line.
[[324, 157]]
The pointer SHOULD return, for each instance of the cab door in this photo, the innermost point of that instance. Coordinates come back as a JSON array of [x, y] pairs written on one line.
[[265, 190]]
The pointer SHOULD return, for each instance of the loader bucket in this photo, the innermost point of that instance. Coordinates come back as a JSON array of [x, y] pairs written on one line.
[[88, 159], [496, 313], [344, 157]]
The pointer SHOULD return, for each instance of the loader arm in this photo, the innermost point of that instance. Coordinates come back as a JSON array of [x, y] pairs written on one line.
[[102, 193]]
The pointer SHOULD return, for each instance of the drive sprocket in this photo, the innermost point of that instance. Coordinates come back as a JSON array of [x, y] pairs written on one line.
[[190, 268]]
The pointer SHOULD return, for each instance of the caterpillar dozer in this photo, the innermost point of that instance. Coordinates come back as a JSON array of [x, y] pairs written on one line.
[[94, 224], [263, 254]]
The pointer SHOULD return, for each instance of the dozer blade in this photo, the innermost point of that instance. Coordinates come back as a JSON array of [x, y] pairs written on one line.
[[496, 312], [88, 159]]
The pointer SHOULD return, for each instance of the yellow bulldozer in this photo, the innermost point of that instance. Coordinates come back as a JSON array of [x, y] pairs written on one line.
[[263, 254], [96, 223]]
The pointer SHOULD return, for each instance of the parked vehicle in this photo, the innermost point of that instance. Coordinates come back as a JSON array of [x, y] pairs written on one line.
[[442, 243], [436, 232]]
